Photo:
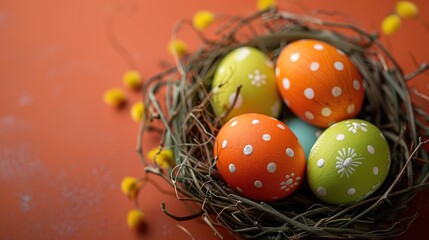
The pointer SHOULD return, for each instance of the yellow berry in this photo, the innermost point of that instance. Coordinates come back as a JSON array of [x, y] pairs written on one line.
[[164, 158], [135, 217], [202, 20], [137, 111], [406, 9], [115, 97], [177, 47], [390, 24], [265, 4], [129, 186], [132, 79]]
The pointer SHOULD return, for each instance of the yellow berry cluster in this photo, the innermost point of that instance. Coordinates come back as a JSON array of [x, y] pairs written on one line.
[[117, 98], [403, 9]]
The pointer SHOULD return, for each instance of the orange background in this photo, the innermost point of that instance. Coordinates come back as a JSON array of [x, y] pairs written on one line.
[[63, 152]]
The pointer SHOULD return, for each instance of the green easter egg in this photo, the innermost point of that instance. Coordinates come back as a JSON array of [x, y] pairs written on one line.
[[254, 71], [349, 161]]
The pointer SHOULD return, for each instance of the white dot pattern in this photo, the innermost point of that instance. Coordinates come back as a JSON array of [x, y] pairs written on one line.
[[326, 111], [258, 184], [277, 71], [290, 152], [282, 127], [370, 149], [351, 108], [351, 191], [247, 150], [356, 84], [224, 143], [231, 168], [322, 191], [294, 56], [255, 121], [266, 137], [309, 93], [339, 66], [375, 170], [320, 163], [340, 137], [234, 123], [271, 167], [336, 91], [238, 103], [286, 83], [314, 66], [318, 47], [309, 115]]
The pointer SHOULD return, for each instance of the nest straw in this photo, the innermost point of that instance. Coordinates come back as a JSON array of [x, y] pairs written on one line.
[[180, 99]]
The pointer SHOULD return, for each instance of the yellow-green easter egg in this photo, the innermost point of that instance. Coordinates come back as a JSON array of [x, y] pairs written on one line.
[[254, 71], [349, 161]]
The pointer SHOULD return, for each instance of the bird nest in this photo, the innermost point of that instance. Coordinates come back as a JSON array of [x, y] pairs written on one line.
[[178, 105]]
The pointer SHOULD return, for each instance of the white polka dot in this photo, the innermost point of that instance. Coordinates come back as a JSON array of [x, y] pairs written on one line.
[[271, 167], [318, 46], [286, 83], [375, 170], [238, 102], [289, 181], [309, 115], [320, 163], [231, 168], [370, 149], [239, 189], [258, 184], [298, 178], [340, 52], [277, 71], [356, 84], [351, 191], [224, 143], [281, 126], [322, 191], [309, 93], [326, 111], [340, 137], [234, 123], [314, 66], [221, 70], [266, 137], [255, 121], [336, 91], [351, 108], [247, 150], [339, 66], [290, 152], [294, 56]]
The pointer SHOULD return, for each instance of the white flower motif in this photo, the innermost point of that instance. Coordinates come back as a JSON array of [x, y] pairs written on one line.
[[291, 182], [347, 161], [242, 54], [257, 78], [354, 126]]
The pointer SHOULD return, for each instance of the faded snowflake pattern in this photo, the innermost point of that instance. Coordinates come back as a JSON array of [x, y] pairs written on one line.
[[291, 182], [257, 78], [242, 54], [354, 127], [347, 161]]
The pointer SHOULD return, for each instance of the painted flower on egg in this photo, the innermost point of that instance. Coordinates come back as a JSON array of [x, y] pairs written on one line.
[[318, 82], [259, 157], [254, 72]]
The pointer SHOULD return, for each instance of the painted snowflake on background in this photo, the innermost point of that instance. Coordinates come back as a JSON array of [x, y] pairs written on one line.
[[257, 78], [291, 182], [354, 126], [347, 161]]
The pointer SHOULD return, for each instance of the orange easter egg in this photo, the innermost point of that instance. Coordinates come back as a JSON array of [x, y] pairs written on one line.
[[259, 157], [318, 82]]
